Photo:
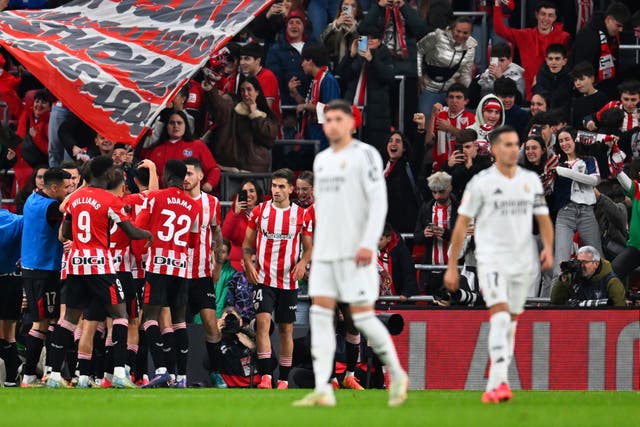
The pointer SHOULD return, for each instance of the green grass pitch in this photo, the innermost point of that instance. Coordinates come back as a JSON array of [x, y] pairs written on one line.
[[211, 407]]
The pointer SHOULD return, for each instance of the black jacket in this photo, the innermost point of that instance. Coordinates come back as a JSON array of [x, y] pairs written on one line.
[[401, 198], [461, 175], [425, 216], [403, 272], [559, 86]]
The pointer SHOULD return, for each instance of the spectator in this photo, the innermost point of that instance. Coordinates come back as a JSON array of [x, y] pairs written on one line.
[[340, 34], [612, 219], [532, 42], [33, 128], [590, 100], [628, 103], [445, 57], [246, 131], [434, 224], [598, 44], [75, 135], [102, 147], [553, 77], [178, 143], [540, 103], [8, 90], [223, 69], [629, 259], [35, 184], [466, 161], [177, 104], [369, 75], [226, 273], [324, 88], [251, 58], [304, 189], [545, 125], [401, 26], [445, 123], [514, 115], [592, 284], [395, 259], [235, 223], [489, 114], [268, 25], [539, 159], [285, 56], [574, 198], [403, 196], [240, 293], [501, 65], [238, 340]]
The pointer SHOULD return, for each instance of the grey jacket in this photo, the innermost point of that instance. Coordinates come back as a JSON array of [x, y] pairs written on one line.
[[438, 49]]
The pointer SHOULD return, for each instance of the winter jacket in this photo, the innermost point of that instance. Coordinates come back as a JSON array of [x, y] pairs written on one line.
[[559, 86], [403, 273], [286, 62], [480, 126], [604, 288], [612, 220], [531, 44], [243, 140], [338, 41], [513, 71], [438, 49], [425, 217], [180, 150], [401, 198]]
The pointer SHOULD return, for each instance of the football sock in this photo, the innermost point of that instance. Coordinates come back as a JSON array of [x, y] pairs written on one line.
[[98, 357], [323, 346], [119, 338], [215, 354], [380, 340], [169, 340], [285, 367], [84, 363], [62, 340], [132, 355], [34, 344], [498, 349], [352, 350], [155, 343], [264, 363], [142, 356], [511, 338], [11, 359], [182, 347]]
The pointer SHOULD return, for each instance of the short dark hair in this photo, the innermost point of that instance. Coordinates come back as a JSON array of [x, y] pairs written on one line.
[[192, 161], [560, 115], [316, 53], [253, 50], [545, 4], [55, 176], [556, 48], [340, 105], [544, 95], [629, 86], [259, 190], [611, 118], [463, 19], [495, 134], [544, 118], [388, 230], [635, 19], [115, 178], [582, 69], [458, 87], [306, 176], [43, 95], [175, 169], [504, 86], [466, 135], [69, 164], [285, 173], [501, 50], [143, 175], [100, 165], [618, 11]]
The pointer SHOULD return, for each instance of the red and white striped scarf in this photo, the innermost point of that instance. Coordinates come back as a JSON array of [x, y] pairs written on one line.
[[397, 42], [585, 10], [606, 67], [313, 96], [440, 247]]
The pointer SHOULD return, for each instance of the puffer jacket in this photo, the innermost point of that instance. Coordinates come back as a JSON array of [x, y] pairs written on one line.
[[438, 49]]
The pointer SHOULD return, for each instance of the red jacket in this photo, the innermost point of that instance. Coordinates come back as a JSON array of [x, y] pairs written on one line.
[[234, 230], [531, 44], [180, 150], [27, 121]]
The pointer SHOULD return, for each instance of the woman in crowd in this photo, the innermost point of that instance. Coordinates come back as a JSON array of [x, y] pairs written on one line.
[[235, 223], [540, 103], [574, 197], [340, 34], [246, 131], [177, 142]]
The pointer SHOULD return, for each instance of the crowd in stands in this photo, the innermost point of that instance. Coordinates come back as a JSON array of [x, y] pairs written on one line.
[[569, 91]]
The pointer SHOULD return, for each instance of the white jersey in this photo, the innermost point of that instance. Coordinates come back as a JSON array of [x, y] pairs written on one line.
[[503, 209], [350, 201]]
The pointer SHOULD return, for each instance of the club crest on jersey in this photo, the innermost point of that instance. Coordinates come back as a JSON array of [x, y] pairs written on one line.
[[187, 152], [87, 260], [160, 260]]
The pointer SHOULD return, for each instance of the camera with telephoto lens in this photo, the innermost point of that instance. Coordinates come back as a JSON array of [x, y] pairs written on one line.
[[231, 325], [572, 266]]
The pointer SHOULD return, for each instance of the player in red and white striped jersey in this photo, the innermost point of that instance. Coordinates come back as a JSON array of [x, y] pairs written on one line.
[[174, 218], [91, 274], [276, 230]]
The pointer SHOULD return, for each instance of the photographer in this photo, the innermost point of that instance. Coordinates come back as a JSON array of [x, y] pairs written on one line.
[[238, 347], [587, 281]]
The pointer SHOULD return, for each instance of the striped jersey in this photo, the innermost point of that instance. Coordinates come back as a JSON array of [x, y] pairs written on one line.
[[172, 217], [278, 242], [92, 210], [199, 263], [120, 248], [444, 141], [630, 121], [137, 253]]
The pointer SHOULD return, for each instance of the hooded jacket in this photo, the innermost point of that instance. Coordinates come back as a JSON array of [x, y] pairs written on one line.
[[531, 44], [481, 128], [439, 49], [583, 292]]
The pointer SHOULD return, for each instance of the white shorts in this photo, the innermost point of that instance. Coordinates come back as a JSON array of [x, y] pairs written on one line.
[[498, 286], [345, 282]]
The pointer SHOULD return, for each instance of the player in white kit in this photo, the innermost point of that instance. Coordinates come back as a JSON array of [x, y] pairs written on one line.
[[503, 201], [351, 206]]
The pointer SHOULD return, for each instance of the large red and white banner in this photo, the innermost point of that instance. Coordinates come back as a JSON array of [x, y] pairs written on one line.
[[555, 349], [116, 64]]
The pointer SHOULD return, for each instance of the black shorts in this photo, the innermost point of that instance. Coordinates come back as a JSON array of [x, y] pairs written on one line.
[[130, 294], [105, 289], [202, 294], [10, 297], [285, 303], [42, 289], [95, 312], [165, 291], [139, 285]]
